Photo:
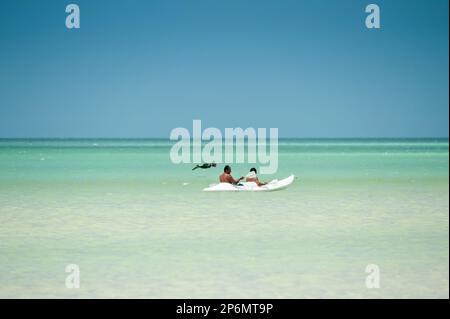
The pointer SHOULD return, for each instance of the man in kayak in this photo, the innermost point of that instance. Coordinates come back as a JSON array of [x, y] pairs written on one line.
[[253, 177], [227, 178]]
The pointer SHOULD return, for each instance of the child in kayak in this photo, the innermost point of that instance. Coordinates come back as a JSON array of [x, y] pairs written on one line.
[[253, 177]]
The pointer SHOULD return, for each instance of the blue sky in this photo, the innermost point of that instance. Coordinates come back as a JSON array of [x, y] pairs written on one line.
[[141, 68]]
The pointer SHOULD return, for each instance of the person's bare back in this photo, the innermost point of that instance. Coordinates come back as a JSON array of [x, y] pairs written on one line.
[[227, 178]]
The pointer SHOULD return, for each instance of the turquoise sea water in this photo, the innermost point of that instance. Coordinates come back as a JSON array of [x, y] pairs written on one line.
[[139, 226]]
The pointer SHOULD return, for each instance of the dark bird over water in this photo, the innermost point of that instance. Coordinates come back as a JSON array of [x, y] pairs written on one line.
[[205, 166]]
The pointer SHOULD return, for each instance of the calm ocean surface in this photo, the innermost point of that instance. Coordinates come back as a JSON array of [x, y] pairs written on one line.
[[139, 226]]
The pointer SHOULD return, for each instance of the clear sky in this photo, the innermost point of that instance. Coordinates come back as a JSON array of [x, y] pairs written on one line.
[[141, 68]]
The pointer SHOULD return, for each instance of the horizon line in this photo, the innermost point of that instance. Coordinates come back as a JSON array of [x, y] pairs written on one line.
[[168, 138]]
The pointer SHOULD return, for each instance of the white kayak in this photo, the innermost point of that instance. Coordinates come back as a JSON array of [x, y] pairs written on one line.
[[274, 185]]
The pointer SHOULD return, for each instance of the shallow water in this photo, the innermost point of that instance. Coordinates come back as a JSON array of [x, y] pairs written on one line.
[[139, 226]]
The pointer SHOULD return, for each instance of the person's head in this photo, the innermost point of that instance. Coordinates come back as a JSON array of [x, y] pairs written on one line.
[[213, 164], [253, 170], [227, 169]]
